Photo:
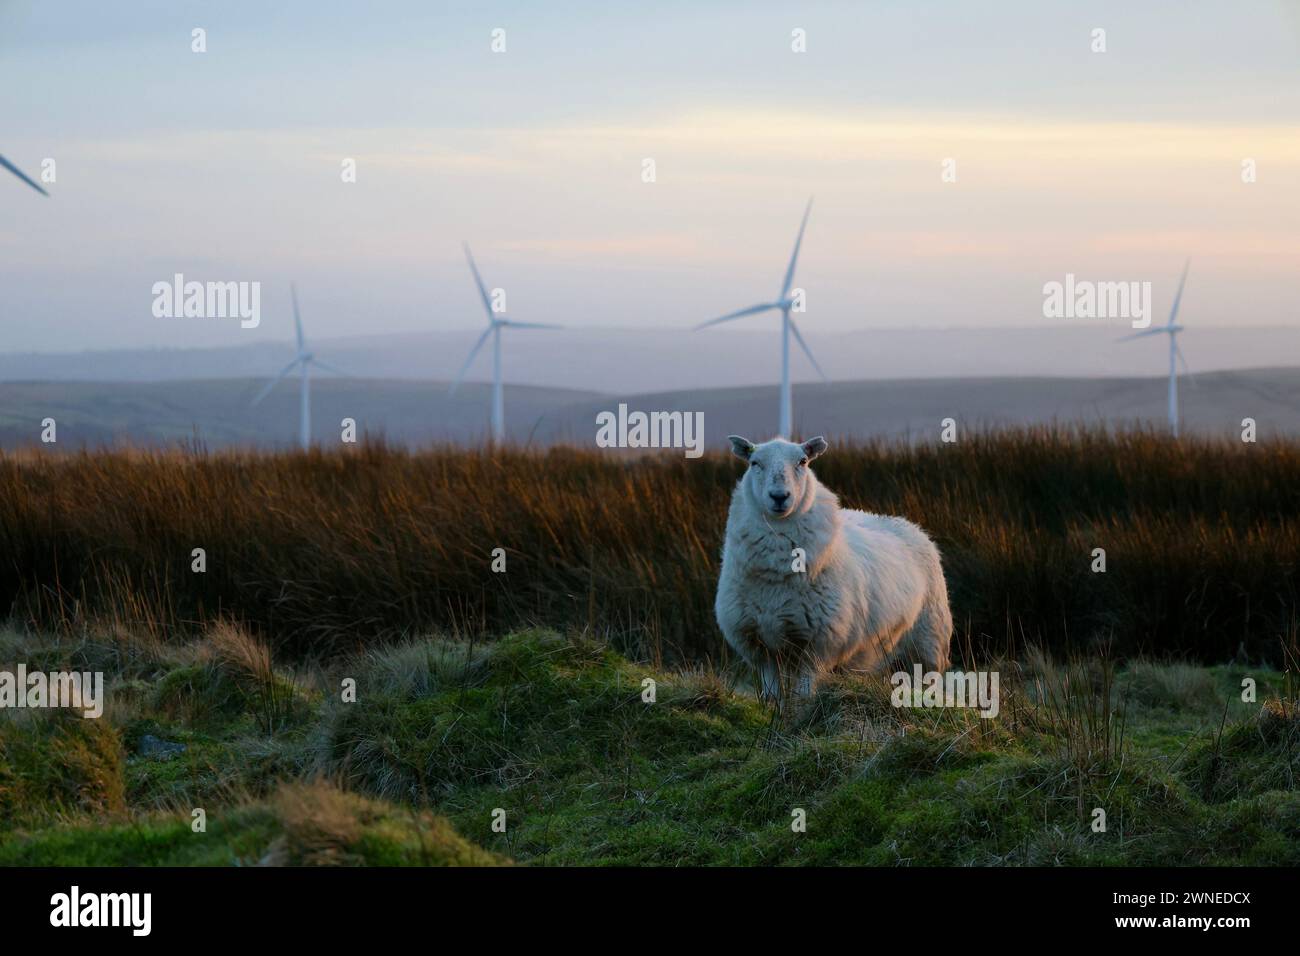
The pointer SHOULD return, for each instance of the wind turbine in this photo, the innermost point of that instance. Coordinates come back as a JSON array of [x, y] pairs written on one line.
[[1175, 353], [782, 305], [22, 175], [304, 360], [495, 325]]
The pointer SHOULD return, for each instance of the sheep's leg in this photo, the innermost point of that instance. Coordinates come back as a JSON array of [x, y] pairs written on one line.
[[806, 674], [806, 679], [761, 658], [769, 672], [928, 640]]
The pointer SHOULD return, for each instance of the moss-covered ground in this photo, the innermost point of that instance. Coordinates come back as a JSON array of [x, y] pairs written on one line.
[[544, 749]]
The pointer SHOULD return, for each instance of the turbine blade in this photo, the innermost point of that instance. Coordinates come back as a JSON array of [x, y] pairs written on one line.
[[512, 324], [1179, 297], [330, 368], [297, 320], [275, 381], [752, 310], [22, 175], [1186, 368], [1158, 330], [794, 257], [472, 352], [482, 290], [806, 350]]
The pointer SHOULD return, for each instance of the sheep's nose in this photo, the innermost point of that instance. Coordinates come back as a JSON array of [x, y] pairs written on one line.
[[779, 498]]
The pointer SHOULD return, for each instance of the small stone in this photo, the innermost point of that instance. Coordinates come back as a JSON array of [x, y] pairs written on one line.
[[151, 746]]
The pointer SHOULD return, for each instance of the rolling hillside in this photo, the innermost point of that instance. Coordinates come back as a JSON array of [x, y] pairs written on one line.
[[218, 413]]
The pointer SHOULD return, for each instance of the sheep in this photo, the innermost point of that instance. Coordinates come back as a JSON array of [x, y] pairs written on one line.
[[807, 586]]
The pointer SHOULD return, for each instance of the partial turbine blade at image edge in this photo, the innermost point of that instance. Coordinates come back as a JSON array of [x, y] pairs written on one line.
[[23, 176]]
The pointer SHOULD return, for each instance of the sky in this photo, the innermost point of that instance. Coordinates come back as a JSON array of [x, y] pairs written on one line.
[[226, 165]]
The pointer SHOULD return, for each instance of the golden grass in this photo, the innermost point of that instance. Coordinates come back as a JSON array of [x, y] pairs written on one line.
[[321, 552]]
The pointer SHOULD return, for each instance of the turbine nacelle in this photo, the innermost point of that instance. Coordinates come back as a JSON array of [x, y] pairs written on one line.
[[495, 324], [784, 305], [304, 361], [1171, 328]]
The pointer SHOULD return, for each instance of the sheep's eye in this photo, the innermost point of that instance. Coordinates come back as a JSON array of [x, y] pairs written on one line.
[[754, 464], [802, 462]]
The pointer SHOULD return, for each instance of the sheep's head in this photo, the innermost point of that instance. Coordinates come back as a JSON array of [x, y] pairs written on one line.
[[778, 480]]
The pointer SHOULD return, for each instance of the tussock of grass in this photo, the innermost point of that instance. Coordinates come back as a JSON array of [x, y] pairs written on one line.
[[534, 698], [233, 674], [301, 825], [324, 826], [197, 695], [1249, 759], [1176, 686], [57, 762], [420, 668]]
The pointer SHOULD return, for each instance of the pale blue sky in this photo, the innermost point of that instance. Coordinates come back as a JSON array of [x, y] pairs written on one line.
[[226, 165]]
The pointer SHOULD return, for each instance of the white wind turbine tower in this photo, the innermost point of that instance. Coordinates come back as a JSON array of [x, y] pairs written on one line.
[[782, 305], [495, 325], [1175, 353], [22, 175], [304, 360]]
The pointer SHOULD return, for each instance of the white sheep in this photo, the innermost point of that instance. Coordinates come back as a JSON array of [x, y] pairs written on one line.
[[808, 586]]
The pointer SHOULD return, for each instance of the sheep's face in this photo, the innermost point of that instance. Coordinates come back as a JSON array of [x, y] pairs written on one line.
[[778, 480]]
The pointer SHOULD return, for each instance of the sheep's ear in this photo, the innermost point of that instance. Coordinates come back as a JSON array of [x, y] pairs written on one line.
[[814, 447], [742, 448]]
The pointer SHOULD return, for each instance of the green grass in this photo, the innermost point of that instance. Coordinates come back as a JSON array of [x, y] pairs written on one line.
[[60, 762], [554, 731], [311, 825]]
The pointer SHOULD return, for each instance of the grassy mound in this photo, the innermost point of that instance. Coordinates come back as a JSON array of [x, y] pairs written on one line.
[[302, 825], [546, 749], [556, 734], [1250, 759], [58, 762], [534, 701]]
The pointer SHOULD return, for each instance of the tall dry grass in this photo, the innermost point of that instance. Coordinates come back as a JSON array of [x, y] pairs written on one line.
[[324, 551]]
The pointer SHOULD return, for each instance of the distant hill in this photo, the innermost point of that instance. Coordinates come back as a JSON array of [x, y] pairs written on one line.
[[217, 412], [672, 358]]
